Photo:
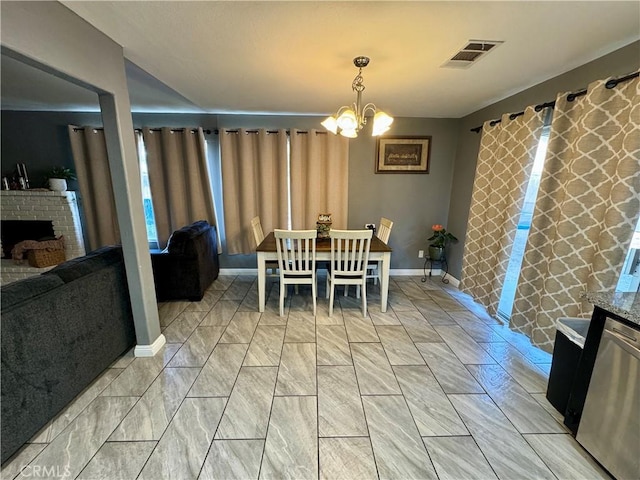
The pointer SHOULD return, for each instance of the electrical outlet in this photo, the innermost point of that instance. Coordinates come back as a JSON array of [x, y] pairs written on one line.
[[420, 253]]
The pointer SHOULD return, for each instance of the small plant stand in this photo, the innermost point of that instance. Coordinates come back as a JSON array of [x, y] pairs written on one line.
[[442, 263]]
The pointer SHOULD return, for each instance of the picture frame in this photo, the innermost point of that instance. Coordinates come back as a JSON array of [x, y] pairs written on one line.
[[403, 154]]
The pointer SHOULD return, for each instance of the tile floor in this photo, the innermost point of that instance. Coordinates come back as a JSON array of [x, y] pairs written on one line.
[[433, 388]]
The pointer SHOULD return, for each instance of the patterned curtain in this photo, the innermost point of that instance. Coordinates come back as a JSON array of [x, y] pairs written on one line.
[[505, 161], [254, 183], [587, 208], [319, 178]]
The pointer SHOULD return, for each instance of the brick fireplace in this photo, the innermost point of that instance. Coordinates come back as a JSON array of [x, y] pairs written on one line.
[[59, 208]]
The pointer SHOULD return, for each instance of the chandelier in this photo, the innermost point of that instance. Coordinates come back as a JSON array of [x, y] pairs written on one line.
[[349, 120]]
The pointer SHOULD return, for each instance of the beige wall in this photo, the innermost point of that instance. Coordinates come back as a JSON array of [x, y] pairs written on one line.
[[618, 63]]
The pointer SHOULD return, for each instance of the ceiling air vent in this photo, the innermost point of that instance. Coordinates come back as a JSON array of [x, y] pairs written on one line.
[[473, 51]]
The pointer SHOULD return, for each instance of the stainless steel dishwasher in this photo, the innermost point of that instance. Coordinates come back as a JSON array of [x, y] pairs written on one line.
[[610, 425]]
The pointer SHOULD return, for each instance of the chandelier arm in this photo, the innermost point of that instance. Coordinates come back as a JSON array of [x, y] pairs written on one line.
[[369, 107]]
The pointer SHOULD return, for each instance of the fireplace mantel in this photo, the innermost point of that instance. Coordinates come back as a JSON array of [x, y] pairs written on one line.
[[61, 208]]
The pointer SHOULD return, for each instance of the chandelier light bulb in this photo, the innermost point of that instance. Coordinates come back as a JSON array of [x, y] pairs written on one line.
[[348, 121]]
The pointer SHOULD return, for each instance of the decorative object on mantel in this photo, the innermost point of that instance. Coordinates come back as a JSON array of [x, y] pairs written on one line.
[[349, 120], [58, 177], [439, 241], [40, 253], [323, 225]]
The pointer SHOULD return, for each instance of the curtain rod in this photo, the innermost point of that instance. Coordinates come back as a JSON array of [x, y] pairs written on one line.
[[207, 131], [570, 98]]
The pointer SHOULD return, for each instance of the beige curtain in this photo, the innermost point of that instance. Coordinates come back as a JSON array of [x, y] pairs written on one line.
[[96, 191], [178, 178], [254, 183], [319, 178], [505, 160], [587, 208]]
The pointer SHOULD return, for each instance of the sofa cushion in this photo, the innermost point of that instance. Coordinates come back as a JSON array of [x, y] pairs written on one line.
[[81, 266], [16, 292], [179, 242]]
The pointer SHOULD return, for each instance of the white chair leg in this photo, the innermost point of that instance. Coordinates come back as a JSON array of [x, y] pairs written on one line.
[[314, 293], [283, 289], [346, 290], [357, 291], [364, 298], [327, 289], [331, 295]]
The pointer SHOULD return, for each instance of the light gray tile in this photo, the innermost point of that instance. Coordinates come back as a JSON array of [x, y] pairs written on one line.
[[297, 373], [241, 328], [71, 411], [507, 452], [340, 411], [196, 350], [433, 413], [78, 443], [222, 282], [301, 328], [20, 460], [565, 457], [412, 291], [291, 449], [266, 346], [152, 414], [168, 311], [476, 329], [125, 360], [432, 312], [183, 326], [229, 459], [446, 301], [418, 328], [347, 459], [118, 461], [322, 313], [451, 374], [218, 375], [382, 318], [397, 446], [458, 458], [272, 317], [141, 373], [373, 370], [208, 301], [522, 370], [247, 412], [398, 346], [221, 314], [399, 302], [183, 448], [518, 406], [541, 398], [463, 346], [360, 329], [237, 290], [332, 345], [43, 435]]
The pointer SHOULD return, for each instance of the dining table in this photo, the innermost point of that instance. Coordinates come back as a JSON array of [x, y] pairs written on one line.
[[378, 252]]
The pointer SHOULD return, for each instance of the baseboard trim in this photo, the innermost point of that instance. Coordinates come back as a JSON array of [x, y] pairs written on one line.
[[150, 350], [398, 272]]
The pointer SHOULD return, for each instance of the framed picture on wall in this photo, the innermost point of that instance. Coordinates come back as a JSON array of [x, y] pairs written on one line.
[[403, 155]]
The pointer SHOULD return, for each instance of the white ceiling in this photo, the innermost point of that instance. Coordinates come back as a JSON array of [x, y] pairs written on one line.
[[296, 57]]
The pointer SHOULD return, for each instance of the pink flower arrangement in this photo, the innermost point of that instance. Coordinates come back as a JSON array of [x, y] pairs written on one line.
[[440, 236]]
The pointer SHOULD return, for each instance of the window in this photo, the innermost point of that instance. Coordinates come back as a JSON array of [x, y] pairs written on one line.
[[522, 233], [152, 235], [630, 275]]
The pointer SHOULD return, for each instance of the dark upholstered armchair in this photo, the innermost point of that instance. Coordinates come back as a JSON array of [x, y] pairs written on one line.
[[188, 265]]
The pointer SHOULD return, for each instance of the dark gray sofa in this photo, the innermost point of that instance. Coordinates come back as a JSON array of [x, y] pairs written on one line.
[[188, 265], [60, 330]]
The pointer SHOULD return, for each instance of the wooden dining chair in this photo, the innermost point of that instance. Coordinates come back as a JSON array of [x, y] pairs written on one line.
[[374, 267], [258, 235], [296, 261], [348, 265]]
